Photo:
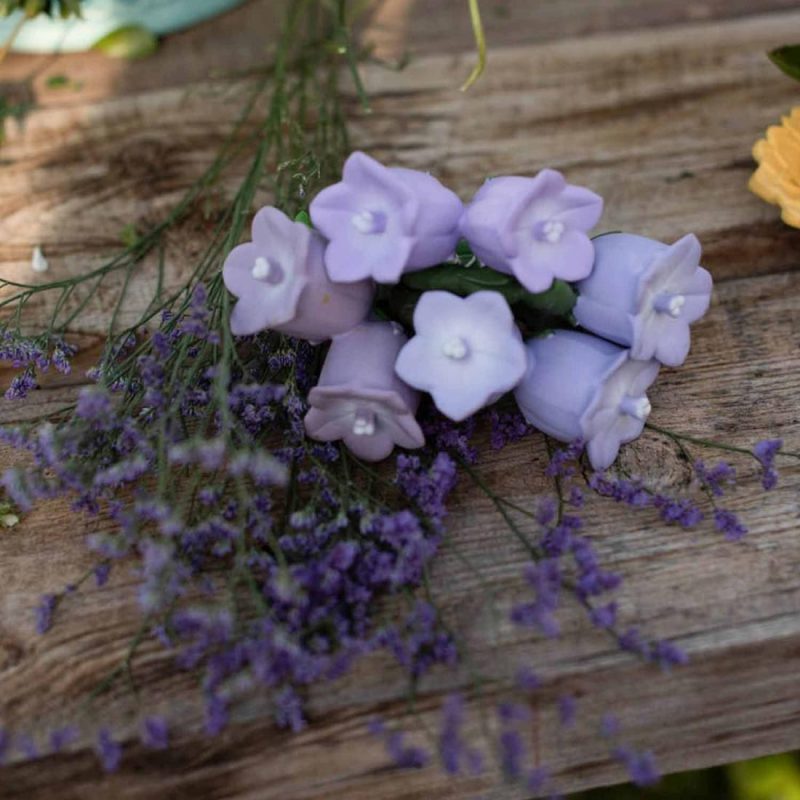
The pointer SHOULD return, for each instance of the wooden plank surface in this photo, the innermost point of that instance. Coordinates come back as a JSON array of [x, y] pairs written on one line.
[[653, 104]]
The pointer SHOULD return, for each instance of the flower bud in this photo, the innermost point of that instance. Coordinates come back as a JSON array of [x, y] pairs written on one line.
[[280, 280], [644, 295], [580, 387], [359, 398]]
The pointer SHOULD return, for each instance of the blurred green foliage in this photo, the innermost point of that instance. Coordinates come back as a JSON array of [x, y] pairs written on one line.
[[770, 778], [32, 8]]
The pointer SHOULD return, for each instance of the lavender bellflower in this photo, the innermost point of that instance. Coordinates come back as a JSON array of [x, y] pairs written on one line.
[[580, 387], [280, 280], [467, 351], [644, 295], [383, 221], [359, 398], [533, 228]]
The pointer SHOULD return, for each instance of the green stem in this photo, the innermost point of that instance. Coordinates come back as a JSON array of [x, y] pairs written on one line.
[[681, 437]]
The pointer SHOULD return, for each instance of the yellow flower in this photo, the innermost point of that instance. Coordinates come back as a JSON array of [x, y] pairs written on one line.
[[777, 179]]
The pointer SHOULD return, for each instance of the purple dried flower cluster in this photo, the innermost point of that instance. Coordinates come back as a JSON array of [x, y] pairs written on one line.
[[32, 355], [307, 576], [765, 452]]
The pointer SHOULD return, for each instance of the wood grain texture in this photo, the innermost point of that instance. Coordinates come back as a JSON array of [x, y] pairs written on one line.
[[656, 112]]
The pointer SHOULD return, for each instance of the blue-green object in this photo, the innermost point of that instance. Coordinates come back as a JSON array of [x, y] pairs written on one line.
[[101, 17]]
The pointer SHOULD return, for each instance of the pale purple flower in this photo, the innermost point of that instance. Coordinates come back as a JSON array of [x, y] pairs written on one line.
[[383, 221], [533, 228], [580, 387], [467, 351], [359, 398], [280, 280], [644, 295]]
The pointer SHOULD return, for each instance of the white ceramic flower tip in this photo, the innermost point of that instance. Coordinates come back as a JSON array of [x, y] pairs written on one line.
[[668, 303], [364, 423], [369, 222], [637, 407], [552, 231], [38, 262], [266, 270], [455, 348]]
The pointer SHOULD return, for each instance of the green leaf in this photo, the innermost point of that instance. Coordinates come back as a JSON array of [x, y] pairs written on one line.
[[57, 82], [457, 279], [787, 59], [302, 216], [557, 301], [130, 41]]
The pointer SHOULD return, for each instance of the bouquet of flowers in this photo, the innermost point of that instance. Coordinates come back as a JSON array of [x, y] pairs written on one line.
[[522, 239]]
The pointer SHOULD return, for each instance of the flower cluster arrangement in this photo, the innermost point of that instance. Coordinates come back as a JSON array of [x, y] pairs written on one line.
[[224, 442], [623, 303]]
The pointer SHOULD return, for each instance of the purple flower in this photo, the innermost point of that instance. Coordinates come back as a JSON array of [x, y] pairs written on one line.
[[609, 725], [383, 221], [403, 755], [641, 767], [61, 738], [644, 294], [567, 710], [359, 399], [467, 351], [281, 283], [155, 733], [765, 451], [728, 524], [94, 406], [108, 751], [527, 680], [289, 710], [579, 386], [451, 745], [713, 479], [533, 228], [512, 750], [44, 613]]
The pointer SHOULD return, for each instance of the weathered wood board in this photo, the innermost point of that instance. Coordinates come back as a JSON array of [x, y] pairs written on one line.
[[653, 104]]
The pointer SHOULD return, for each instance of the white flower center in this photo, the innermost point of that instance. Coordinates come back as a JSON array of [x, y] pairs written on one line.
[[369, 221], [364, 422], [668, 303], [552, 231], [455, 348], [636, 407], [267, 270]]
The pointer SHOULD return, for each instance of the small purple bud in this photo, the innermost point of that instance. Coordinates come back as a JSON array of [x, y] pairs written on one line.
[[108, 751], [644, 295]]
